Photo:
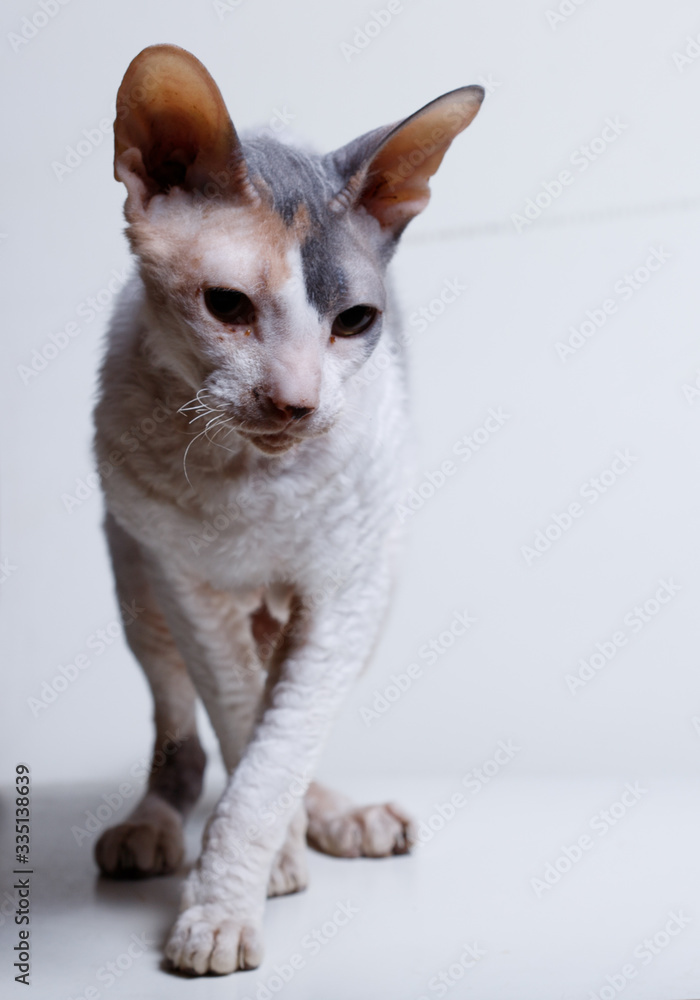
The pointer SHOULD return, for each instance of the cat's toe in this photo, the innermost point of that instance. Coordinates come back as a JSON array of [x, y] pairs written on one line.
[[207, 938], [366, 831], [139, 849]]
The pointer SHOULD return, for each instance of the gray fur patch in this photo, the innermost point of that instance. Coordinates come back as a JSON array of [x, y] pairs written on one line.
[[324, 277], [298, 179], [293, 177]]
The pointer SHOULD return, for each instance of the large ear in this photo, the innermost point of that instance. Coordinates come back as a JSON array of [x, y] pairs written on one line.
[[388, 170], [173, 130]]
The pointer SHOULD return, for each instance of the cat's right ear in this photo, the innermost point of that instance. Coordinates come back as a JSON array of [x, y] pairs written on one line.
[[173, 130], [387, 171]]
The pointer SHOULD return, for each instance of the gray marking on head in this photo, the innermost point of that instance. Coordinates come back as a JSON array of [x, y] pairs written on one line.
[[296, 178], [324, 277], [292, 176]]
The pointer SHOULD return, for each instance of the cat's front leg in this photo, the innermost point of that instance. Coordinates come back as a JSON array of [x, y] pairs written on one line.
[[219, 928]]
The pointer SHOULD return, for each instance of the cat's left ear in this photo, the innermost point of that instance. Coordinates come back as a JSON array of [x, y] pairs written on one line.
[[387, 171]]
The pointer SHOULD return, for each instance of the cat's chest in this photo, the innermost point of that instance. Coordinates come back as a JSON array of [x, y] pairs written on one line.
[[250, 530], [266, 529]]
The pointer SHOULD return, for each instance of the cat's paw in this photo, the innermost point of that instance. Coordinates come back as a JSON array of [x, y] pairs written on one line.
[[290, 871], [363, 831], [209, 938], [149, 843]]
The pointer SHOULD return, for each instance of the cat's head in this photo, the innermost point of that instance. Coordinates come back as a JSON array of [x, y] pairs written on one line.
[[264, 266]]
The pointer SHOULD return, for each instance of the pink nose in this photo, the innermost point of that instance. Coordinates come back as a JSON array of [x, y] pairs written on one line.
[[293, 387]]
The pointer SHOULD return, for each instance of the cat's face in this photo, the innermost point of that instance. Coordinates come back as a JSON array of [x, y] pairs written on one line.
[[266, 319], [264, 266]]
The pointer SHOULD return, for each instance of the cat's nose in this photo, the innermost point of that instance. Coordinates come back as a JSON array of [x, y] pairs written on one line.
[[291, 411], [293, 384]]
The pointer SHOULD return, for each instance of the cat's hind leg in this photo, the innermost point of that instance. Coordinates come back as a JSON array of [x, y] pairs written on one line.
[[150, 840], [289, 869]]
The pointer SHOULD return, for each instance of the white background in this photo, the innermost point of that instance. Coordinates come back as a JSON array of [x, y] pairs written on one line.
[[552, 89], [495, 346]]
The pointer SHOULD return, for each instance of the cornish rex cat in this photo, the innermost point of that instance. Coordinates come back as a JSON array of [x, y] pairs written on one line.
[[252, 517]]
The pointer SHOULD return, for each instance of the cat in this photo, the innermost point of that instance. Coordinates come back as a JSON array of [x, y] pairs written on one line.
[[254, 472]]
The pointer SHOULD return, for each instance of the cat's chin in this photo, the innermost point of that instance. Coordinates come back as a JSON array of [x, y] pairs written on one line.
[[271, 444]]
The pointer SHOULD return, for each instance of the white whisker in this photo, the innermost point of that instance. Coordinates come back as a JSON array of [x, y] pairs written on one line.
[[206, 413], [184, 457], [215, 420], [228, 427]]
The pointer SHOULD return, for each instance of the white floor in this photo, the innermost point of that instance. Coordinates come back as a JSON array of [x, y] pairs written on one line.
[[404, 921]]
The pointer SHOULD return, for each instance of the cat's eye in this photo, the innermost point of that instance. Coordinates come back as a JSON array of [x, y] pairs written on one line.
[[230, 306], [353, 321]]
